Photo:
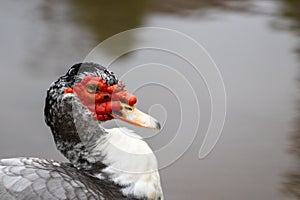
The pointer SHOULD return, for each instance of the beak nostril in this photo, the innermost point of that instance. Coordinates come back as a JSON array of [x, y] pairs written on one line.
[[128, 108]]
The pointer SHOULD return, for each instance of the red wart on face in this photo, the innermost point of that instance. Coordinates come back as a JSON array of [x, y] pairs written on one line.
[[109, 102], [100, 98]]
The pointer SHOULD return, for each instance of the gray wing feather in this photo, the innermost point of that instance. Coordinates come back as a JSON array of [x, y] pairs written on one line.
[[32, 178]]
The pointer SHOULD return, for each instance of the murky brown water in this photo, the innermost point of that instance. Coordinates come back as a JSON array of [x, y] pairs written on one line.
[[254, 45]]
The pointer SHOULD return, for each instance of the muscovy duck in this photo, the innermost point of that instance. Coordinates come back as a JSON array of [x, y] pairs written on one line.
[[103, 163]]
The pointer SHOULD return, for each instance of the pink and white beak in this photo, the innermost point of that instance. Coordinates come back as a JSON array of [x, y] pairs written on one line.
[[132, 115]]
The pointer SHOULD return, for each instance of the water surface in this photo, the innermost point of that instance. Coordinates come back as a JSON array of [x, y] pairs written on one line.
[[254, 45]]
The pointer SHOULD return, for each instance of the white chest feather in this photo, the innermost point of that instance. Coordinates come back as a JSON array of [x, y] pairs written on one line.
[[131, 163]]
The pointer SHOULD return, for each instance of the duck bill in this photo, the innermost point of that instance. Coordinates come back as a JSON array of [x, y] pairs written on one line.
[[132, 115]]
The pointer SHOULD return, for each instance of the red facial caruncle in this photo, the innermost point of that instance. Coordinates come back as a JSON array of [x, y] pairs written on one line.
[[101, 99]]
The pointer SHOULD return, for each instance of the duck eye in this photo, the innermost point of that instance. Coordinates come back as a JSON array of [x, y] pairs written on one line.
[[92, 89]]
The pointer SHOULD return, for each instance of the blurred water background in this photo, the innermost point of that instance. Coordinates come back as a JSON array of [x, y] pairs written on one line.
[[255, 44]]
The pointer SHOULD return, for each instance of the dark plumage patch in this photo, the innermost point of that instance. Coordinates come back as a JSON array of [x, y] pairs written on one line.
[[78, 71]]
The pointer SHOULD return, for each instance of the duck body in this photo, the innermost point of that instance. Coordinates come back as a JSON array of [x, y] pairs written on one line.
[[104, 163]]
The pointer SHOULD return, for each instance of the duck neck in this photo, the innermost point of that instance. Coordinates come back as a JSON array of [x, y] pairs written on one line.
[[75, 133]]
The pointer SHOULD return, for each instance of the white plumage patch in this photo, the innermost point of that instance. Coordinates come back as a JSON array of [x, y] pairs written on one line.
[[131, 163]]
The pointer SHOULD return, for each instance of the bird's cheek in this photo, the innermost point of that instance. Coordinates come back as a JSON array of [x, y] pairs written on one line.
[[100, 109], [107, 107], [102, 97], [85, 97]]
